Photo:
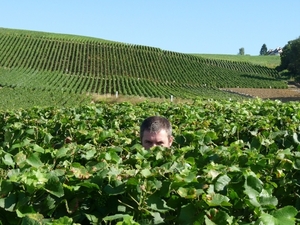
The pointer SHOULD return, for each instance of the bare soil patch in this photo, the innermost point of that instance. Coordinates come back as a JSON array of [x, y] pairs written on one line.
[[292, 93]]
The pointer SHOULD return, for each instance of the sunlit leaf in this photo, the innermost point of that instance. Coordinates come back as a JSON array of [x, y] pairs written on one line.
[[54, 186], [32, 219], [61, 152], [38, 148], [146, 173], [221, 182], [79, 171], [20, 159], [286, 215], [217, 200], [265, 199], [63, 220], [34, 160], [8, 160], [189, 193]]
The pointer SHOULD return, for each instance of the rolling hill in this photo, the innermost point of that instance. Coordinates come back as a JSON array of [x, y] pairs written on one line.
[[38, 68]]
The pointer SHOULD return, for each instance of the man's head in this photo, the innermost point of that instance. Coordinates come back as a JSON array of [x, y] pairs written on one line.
[[156, 131]]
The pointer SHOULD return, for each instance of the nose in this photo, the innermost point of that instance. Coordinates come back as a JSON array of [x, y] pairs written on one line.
[[152, 145]]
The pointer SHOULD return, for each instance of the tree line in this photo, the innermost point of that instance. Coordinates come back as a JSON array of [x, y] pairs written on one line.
[[290, 58]]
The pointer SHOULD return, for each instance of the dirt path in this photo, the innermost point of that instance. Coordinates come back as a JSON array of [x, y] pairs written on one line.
[[292, 93]]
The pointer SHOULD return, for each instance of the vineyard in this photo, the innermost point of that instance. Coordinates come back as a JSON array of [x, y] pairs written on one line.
[[45, 62], [271, 61], [234, 160], [231, 163]]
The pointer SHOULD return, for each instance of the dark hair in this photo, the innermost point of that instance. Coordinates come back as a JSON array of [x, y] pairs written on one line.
[[155, 124]]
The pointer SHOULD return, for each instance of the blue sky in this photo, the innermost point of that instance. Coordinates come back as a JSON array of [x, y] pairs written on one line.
[[190, 26]]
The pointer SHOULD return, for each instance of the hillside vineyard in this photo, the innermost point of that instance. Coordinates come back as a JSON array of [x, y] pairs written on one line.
[[72, 161], [35, 60]]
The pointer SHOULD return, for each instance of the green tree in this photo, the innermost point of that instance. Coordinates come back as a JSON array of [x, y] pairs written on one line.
[[290, 58], [263, 50], [241, 51]]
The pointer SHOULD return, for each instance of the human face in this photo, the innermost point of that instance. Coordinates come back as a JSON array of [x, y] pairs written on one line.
[[160, 138]]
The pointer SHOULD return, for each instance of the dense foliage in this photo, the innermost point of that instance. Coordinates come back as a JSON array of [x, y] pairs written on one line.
[[290, 58], [231, 163]]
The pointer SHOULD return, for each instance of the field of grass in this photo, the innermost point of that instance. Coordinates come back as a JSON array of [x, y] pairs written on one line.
[[271, 61]]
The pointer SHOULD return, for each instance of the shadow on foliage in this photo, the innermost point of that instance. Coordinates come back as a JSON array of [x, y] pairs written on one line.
[[258, 77], [286, 99]]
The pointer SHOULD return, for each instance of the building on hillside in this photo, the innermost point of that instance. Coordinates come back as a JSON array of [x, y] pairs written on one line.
[[276, 51]]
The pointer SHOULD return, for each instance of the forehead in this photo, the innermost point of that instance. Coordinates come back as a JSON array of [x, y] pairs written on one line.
[[159, 135]]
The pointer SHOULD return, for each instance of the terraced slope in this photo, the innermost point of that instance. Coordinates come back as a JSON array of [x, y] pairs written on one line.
[[74, 64]]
